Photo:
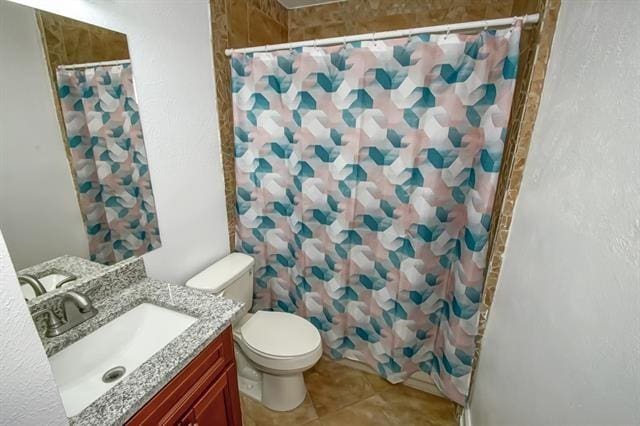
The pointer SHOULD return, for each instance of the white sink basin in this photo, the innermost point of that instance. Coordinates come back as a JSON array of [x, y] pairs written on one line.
[[127, 341]]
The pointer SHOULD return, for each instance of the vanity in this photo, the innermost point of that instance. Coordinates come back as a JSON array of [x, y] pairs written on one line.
[[205, 392], [154, 353]]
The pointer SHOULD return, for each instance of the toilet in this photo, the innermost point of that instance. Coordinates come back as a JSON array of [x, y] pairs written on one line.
[[273, 349]]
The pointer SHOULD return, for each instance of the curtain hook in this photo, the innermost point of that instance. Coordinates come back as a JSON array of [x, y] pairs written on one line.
[[373, 37], [344, 42], [266, 47], [486, 25], [447, 34], [315, 44]]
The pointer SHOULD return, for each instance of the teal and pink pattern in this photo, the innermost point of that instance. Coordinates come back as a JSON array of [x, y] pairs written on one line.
[[110, 161], [366, 175]]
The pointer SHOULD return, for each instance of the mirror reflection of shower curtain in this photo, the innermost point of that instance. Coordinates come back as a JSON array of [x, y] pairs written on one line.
[[108, 155], [365, 176]]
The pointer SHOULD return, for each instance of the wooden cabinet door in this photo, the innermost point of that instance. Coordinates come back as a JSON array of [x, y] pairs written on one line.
[[220, 404], [174, 403], [188, 419]]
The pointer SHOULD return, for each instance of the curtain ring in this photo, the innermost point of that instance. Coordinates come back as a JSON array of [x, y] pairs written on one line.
[[344, 42], [486, 25], [266, 47]]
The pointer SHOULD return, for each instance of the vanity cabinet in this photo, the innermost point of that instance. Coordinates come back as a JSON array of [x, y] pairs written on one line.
[[204, 393]]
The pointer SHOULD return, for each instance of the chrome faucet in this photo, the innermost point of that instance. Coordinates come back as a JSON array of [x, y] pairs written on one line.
[[76, 307], [34, 282]]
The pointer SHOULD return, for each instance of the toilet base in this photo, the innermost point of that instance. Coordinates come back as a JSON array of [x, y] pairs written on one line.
[[283, 393]]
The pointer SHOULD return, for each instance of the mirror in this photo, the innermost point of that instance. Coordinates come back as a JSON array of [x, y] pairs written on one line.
[[74, 175]]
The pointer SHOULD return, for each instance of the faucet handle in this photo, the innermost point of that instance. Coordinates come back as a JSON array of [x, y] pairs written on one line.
[[53, 321]]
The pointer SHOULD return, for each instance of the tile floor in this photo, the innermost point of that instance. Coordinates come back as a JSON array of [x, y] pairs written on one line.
[[340, 395]]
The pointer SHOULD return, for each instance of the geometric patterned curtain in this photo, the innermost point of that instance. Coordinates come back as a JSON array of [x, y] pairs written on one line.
[[105, 139], [366, 174]]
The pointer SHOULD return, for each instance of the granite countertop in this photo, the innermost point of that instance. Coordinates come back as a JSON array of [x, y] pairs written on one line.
[[65, 265], [124, 399], [129, 288]]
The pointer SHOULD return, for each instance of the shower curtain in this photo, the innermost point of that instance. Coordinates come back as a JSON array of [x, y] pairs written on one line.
[[366, 174], [109, 159]]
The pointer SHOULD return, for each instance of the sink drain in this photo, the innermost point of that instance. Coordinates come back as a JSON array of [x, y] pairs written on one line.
[[113, 374]]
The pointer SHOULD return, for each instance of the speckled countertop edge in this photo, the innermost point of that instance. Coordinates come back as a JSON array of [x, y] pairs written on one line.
[[92, 280], [213, 315], [65, 265]]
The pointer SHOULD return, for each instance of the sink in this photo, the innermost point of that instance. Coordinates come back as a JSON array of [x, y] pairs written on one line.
[[91, 366]]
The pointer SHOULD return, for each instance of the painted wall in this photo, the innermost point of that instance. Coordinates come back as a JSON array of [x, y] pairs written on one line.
[[170, 48], [562, 344], [39, 212], [28, 394]]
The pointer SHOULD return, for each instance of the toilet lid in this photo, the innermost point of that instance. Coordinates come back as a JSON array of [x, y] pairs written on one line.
[[280, 334]]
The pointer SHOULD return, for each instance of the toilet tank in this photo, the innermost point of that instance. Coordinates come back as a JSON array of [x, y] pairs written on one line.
[[231, 277]]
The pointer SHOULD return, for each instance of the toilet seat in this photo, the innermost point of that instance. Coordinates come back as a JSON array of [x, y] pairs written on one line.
[[280, 341]]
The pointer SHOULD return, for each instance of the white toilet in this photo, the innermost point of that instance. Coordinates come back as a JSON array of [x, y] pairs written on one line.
[[273, 349]]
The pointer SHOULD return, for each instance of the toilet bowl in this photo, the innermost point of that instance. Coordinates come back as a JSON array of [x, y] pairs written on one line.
[[279, 345]]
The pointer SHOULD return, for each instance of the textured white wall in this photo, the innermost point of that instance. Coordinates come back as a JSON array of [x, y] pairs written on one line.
[[170, 47], [563, 340], [28, 394], [39, 213]]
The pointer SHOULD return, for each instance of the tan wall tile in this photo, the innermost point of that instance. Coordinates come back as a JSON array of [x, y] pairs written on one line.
[[271, 8], [264, 30], [238, 23]]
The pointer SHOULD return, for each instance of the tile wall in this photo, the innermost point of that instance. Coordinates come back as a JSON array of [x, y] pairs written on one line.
[[68, 41]]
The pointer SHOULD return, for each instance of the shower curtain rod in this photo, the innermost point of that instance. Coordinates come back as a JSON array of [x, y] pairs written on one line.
[[502, 22], [94, 64]]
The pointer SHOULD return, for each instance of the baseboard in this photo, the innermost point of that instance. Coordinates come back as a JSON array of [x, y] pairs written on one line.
[[420, 380]]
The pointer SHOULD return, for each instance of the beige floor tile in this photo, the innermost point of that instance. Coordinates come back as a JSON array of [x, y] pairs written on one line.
[[246, 421], [409, 407], [340, 395], [259, 415], [368, 412], [333, 386], [379, 384]]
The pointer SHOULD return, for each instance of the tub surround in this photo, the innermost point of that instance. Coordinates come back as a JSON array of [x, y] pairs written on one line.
[[115, 292]]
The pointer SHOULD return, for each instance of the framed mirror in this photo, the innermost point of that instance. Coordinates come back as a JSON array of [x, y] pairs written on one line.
[[75, 185]]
